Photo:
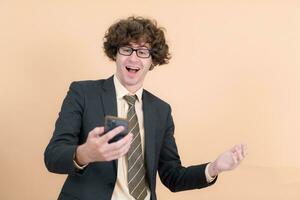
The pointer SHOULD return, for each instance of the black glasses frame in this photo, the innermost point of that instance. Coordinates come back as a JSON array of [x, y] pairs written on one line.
[[132, 50]]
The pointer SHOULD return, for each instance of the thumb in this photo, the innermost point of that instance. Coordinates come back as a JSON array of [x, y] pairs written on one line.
[[96, 132]]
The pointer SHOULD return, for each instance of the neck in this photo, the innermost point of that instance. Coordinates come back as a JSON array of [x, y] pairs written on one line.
[[131, 88]]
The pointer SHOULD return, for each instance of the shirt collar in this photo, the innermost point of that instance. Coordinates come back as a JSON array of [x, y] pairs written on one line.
[[121, 91]]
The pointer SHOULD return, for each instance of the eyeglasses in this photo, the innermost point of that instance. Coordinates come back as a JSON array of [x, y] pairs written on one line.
[[141, 53]]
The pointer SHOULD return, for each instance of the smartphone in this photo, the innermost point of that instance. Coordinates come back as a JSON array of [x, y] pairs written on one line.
[[112, 122]]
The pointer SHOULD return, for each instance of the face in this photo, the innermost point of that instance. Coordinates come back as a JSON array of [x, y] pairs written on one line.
[[131, 70]]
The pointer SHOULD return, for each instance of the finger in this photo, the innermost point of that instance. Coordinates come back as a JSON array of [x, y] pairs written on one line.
[[233, 149], [111, 134], [112, 149], [117, 153], [244, 150], [96, 132], [234, 157], [239, 153], [119, 146], [122, 151]]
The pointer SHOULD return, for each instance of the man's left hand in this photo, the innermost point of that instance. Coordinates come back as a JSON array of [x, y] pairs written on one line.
[[228, 160]]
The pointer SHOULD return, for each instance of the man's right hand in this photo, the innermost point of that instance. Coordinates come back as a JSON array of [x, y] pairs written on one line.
[[97, 148]]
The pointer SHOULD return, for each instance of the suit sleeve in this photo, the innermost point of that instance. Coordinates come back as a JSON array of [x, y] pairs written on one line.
[[59, 153], [172, 174]]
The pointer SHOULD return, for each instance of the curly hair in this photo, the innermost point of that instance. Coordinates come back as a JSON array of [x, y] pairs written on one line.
[[137, 29]]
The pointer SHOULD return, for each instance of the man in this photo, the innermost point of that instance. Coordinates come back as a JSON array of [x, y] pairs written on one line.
[[126, 169]]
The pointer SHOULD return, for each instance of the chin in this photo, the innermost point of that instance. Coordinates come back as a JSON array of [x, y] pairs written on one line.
[[131, 82]]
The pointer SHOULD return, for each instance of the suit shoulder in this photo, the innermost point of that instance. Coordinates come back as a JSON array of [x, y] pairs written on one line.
[[88, 83], [156, 99]]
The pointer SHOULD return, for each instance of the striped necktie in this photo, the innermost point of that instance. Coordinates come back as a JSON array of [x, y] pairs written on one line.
[[136, 168]]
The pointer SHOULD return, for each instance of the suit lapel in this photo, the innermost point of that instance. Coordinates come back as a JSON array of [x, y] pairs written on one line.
[[109, 101], [109, 97], [149, 128]]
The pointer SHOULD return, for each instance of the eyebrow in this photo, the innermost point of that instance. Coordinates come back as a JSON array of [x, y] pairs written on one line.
[[139, 46]]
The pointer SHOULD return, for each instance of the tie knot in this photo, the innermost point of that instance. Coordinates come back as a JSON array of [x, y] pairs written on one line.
[[130, 99]]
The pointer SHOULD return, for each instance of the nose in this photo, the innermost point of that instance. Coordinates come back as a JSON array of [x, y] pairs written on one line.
[[133, 57]]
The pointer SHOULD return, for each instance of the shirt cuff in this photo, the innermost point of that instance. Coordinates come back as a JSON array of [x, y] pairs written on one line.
[[209, 179], [77, 166]]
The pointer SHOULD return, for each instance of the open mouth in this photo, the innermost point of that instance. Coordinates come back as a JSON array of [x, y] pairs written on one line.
[[132, 69]]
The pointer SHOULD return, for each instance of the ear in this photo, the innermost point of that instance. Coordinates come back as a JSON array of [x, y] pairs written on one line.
[[114, 57]]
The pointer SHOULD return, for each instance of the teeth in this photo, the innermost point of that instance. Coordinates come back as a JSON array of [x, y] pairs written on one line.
[[129, 67]]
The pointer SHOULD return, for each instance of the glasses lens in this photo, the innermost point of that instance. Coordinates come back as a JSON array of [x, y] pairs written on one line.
[[127, 51], [143, 53]]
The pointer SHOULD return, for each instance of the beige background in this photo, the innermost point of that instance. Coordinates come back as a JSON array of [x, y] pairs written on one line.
[[237, 63]]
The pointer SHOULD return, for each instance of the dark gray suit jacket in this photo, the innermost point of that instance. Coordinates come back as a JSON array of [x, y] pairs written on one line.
[[83, 109]]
